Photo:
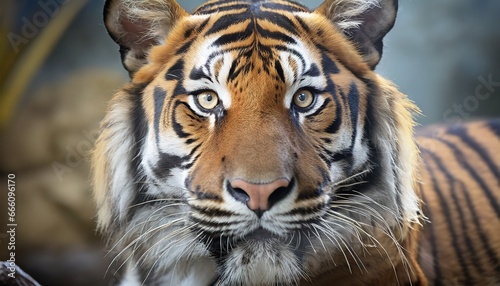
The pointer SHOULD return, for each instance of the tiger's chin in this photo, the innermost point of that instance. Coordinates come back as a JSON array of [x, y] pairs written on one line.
[[261, 258]]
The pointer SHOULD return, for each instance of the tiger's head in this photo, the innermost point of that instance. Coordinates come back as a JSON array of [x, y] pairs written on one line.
[[254, 145]]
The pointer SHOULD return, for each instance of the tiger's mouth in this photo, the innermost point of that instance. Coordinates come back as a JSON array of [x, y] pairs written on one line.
[[294, 242], [260, 234], [259, 252]]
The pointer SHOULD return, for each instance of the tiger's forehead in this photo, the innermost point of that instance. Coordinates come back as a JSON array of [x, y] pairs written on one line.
[[244, 39], [210, 61], [217, 6]]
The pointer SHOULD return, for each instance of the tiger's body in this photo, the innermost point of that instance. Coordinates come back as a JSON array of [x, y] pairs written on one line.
[[255, 145], [459, 181]]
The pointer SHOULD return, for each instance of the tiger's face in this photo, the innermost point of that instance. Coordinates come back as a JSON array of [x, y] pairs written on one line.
[[250, 147]]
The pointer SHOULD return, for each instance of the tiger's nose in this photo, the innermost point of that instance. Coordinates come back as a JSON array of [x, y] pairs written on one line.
[[259, 197]]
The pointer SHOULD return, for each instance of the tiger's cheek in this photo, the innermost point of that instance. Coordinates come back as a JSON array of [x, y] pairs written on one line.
[[311, 173], [206, 180], [193, 128]]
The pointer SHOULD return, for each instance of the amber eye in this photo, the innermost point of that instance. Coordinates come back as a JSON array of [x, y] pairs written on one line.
[[303, 98], [207, 100]]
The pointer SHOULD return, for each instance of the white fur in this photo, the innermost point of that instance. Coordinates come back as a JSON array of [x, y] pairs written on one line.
[[157, 12], [218, 84], [344, 12], [263, 267], [116, 151]]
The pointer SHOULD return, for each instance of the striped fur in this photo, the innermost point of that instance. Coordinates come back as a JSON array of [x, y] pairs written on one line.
[[460, 187], [351, 213]]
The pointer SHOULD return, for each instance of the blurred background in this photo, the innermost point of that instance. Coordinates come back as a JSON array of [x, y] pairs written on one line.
[[58, 69]]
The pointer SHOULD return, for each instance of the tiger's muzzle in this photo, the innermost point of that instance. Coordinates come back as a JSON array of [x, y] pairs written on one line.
[[260, 197]]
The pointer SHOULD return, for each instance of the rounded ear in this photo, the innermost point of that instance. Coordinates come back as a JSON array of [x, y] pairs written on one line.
[[364, 22], [137, 25]]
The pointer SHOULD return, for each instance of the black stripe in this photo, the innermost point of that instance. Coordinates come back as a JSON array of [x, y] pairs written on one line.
[[320, 109], [176, 71], [212, 224], [434, 240], [337, 121], [279, 70], [232, 70], [462, 133], [327, 140], [279, 20], [446, 210], [325, 158], [159, 101], [335, 125], [139, 130], [370, 119], [328, 65], [313, 70], [198, 73], [228, 20], [190, 140], [303, 211], [284, 48], [372, 180], [178, 90], [234, 37], [353, 101], [211, 212], [166, 163], [274, 35], [202, 26], [191, 164], [184, 48], [345, 154], [189, 32], [303, 25], [266, 54], [479, 230], [176, 125], [494, 126], [237, 67]]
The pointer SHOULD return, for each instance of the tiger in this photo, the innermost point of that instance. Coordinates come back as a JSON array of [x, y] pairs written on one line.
[[256, 145]]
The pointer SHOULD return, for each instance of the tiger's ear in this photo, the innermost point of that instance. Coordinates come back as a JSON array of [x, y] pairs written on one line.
[[137, 25], [364, 22]]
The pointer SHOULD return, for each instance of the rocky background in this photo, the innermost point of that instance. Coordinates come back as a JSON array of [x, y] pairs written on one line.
[[444, 54]]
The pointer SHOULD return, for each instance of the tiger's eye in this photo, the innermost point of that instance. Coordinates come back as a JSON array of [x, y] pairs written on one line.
[[303, 98], [208, 100]]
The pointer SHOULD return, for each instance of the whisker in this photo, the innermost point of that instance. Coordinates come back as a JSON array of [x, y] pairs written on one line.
[[164, 252], [352, 177], [159, 200], [163, 226]]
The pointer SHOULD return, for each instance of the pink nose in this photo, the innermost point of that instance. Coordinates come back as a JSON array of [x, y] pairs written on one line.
[[259, 197]]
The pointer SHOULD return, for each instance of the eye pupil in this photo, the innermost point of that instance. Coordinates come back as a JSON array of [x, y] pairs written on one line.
[[302, 97], [208, 97]]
